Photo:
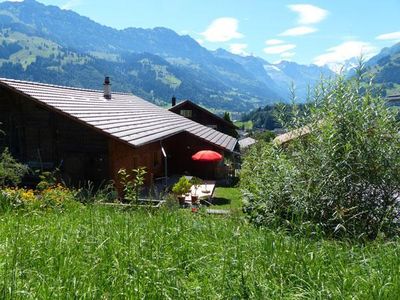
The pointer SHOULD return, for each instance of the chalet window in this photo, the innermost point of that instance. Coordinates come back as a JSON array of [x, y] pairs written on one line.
[[187, 113]]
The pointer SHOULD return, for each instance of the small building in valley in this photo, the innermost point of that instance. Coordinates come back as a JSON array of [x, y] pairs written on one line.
[[393, 100], [191, 110], [246, 143], [91, 134], [285, 138]]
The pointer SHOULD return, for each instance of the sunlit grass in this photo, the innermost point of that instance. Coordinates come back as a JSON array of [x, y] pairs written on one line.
[[246, 125], [100, 252], [227, 198]]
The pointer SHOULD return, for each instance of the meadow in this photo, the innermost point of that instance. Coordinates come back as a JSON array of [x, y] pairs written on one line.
[[99, 252]]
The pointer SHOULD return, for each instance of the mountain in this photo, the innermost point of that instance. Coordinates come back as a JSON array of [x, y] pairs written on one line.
[[48, 44], [384, 69], [385, 52], [281, 76], [303, 77]]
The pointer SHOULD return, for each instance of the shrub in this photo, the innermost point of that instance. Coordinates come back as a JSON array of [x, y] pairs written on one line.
[[132, 186], [47, 179], [10, 200], [182, 186], [90, 193], [11, 171], [343, 177], [56, 197]]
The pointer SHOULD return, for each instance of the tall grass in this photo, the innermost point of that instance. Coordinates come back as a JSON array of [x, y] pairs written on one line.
[[101, 252]]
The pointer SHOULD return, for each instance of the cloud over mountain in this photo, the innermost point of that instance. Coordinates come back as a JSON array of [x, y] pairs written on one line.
[[222, 30], [279, 48], [389, 36], [336, 56]]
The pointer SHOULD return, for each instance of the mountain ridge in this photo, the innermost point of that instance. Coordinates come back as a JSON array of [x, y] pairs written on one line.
[[46, 43]]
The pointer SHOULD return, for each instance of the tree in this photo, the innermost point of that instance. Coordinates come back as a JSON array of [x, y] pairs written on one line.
[[227, 117], [265, 135], [231, 131], [342, 179]]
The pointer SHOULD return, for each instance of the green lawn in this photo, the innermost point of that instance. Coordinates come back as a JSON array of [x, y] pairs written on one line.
[[247, 125], [227, 198], [105, 253]]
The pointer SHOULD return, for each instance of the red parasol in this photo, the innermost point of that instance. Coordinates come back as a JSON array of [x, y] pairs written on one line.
[[207, 156]]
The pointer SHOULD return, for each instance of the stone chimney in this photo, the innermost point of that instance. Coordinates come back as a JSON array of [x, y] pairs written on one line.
[[107, 88], [173, 101]]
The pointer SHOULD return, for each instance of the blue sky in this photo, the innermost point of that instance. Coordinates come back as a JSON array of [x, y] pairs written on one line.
[[321, 32]]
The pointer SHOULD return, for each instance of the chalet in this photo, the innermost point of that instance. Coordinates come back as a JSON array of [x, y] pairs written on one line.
[[91, 134], [201, 115]]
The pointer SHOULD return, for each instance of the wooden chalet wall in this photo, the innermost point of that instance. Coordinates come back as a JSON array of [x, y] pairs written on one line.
[[123, 156], [180, 149], [204, 118], [44, 139]]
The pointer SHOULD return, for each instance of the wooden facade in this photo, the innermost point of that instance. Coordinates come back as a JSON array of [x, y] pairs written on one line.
[[46, 139], [180, 149]]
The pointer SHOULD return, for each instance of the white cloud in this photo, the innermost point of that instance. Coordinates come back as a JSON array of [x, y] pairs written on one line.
[[309, 14], [239, 49], [71, 4], [341, 53], [279, 49], [222, 30], [273, 42], [389, 36], [287, 55], [297, 31]]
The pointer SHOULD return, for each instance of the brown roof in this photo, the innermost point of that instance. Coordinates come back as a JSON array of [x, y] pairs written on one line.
[[179, 105], [125, 117], [393, 97], [246, 142], [393, 100], [291, 135]]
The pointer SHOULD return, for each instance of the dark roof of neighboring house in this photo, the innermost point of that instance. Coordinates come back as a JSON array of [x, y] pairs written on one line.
[[218, 118], [124, 117], [393, 97]]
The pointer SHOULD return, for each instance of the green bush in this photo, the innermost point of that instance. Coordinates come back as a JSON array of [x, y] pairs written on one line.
[[342, 178], [132, 183], [48, 179], [53, 198], [9, 201], [265, 135], [182, 186], [11, 171]]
